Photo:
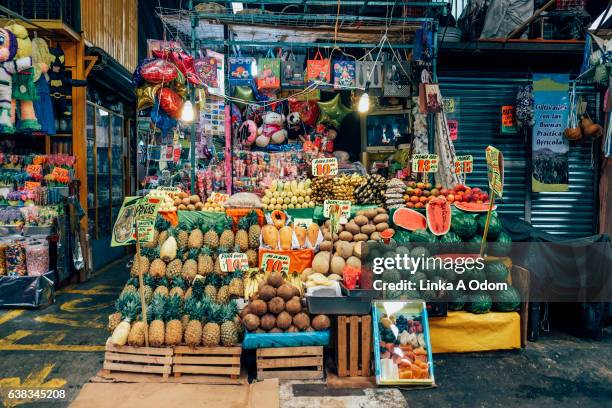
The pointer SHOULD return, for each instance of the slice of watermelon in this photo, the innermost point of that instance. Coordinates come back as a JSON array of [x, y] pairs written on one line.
[[438, 216], [474, 207], [409, 219]]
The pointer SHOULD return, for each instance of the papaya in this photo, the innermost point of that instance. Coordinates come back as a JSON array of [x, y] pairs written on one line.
[[313, 234], [269, 236], [286, 236], [279, 218], [300, 233]]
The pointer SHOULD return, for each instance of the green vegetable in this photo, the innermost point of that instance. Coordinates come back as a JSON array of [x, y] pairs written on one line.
[[506, 300]]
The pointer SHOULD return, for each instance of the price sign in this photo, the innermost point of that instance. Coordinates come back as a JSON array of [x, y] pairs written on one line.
[[302, 222], [325, 167], [31, 185], [453, 128], [495, 170], [145, 215], [425, 163], [218, 198], [464, 164], [168, 189], [448, 105], [508, 120], [233, 262], [60, 172], [345, 209], [275, 263], [33, 169]]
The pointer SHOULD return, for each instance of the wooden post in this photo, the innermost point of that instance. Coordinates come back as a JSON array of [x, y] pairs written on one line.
[[143, 302], [79, 139], [483, 244]]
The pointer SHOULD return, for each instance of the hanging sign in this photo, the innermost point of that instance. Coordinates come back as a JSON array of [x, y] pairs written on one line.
[[31, 185], [233, 262], [218, 198], [549, 148], [344, 208], [34, 169], [141, 211], [495, 171], [508, 119], [424, 163], [453, 128], [275, 263], [464, 164], [325, 166], [448, 105]]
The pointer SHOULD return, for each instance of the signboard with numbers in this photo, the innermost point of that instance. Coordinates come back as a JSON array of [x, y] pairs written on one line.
[[218, 198], [31, 185], [275, 263], [424, 163], [140, 211], [233, 262], [60, 172], [508, 120], [464, 164], [495, 170], [453, 128], [325, 167], [33, 169], [345, 209]]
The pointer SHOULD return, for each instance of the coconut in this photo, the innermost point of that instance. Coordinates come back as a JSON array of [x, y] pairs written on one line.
[[301, 321], [320, 263], [346, 236], [245, 311], [352, 227], [337, 264], [325, 246], [371, 213], [309, 329], [375, 236], [267, 321], [276, 305], [275, 330], [305, 274], [368, 229], [381, 218], [275, 279], [259, 307], [294, 306], [344, 249], [285, 292], [360, 237], [251, 322], [292, 329], [382, 226], [283, 320], [260, 330], [361, 220], [321, 322], [267, 292], [358, 249]]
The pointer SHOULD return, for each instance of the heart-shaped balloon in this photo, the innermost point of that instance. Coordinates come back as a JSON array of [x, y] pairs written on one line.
[[145, 96], [333, 112], [158, 71], [170, 102], [137, 78], [308, 110]]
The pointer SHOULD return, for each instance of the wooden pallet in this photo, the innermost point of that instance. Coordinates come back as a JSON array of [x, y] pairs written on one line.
[[217, 361], [290, 363], [147, 360], [354, 346]]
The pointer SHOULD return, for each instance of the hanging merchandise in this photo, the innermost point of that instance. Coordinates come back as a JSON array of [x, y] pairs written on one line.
[[333, 112], [292, 70], [8, 51], [241, 70], [318, 69], [308, 110], [369, 71], [433, 98], [61, 86], [344, 73], [158, 71], [446, 153], [145, 96], [183, 61], [397, 79], [170, 102], [268, 72], [206, 68], [43, 106], [524, 106], [244, 93], [272, 131], [162, 120]]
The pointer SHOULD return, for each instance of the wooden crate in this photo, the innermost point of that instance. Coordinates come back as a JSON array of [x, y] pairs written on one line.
[[290, 363], [354, 346], [215, 361], [147, 360]]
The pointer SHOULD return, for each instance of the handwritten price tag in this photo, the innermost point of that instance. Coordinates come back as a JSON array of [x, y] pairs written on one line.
[[345, 209], [464, 164], [218, 198], [275, 263], [233, 262], [453, 128], [31, 185], [60, 172], [33, 169], [425, 163], [168, 189], [325, 167]]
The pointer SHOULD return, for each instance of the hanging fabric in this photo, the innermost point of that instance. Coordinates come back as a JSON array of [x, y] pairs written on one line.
[[268, 72], [446, 153], [318, 69]]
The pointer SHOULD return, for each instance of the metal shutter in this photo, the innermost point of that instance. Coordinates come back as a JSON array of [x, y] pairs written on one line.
[[478, 102]]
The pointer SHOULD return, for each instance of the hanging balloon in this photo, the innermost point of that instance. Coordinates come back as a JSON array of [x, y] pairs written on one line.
[[308, 110], [145, 96], [137, 78], [170, 102], [158, 71], [333, 112], [180, 89], [244, 93], [161, 119]]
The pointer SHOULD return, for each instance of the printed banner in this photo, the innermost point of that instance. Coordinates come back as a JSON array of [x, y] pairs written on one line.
[[140, 209], [550, 150]]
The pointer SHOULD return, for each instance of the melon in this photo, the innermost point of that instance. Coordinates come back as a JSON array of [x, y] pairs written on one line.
[[438, 216], [495, 226], [286, 236], [506, 300], [474, 207], [409, 219], [479, 303]]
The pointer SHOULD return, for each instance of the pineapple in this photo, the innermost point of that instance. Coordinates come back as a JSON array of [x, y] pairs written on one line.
[[196, 238], [137, 334], [188, 293], [174, 268], [211, 332], [211, 238], [242, 236], [162, 287], [195, 308], [223, 295], [149, 283], [229, 329], [217, 266], [236, 286], [182, 237], [158, 268], [254, 230], [157, 310], [178, 288], [210, 292], [205, 262], [190, 267], [139, 264], [252, 257], [174, 325], [227, 235], [163, 236], [121, 309]]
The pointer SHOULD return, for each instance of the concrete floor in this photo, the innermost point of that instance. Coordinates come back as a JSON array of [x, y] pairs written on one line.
[[62, 347]]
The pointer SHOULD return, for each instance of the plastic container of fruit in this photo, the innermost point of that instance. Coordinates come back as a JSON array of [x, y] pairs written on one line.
[[338, 305]]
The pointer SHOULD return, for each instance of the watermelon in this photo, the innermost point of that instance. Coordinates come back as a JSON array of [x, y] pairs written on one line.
[[457, 300], [496, 271], [450, 241], [473, 244], [495, 226], [409, 219], [418, 277], [474, 207], [424, 236], [506, 300], [464, 225], [502, 245], [391, 276], [402, 236], [474, 274], [479, 303], [419, 251], [438, 212]]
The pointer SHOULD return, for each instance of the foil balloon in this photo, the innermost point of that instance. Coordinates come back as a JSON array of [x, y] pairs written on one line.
[[333, 112], [244, 93], [137, 78], [145, 96], [308, 110], [158, 71], [162, 120], [170, 102], [183, 61], [180, 89]]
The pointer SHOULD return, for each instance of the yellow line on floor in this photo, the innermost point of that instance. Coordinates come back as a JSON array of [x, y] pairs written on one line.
[[50, 347], [10, 315], [68, 322]]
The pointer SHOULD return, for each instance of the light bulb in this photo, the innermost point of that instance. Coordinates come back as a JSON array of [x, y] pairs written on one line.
[[254, 69], [364, 103], [187, 113]]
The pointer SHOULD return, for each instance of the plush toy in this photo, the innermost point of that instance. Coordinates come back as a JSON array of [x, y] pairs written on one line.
[[23, 88], [247, 133], [272, 130], [59, 84], [8, 50]]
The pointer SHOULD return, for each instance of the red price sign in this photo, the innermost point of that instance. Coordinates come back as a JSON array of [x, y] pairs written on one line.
[[325, 167], [464, 164], [31, 185], [425, 163], [219, 198], [233, 262], [508, 119], [60, 172], [33, 169], [275, 263], [453, 128]]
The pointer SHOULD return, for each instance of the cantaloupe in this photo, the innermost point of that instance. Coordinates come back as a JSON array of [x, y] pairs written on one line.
[[286, 236]]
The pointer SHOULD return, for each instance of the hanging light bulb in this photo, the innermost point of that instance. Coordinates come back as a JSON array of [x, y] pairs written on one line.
[[254, 69], [187, 113], [364, 103]]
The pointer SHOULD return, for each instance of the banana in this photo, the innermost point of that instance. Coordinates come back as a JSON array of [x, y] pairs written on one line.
[[274, 185]]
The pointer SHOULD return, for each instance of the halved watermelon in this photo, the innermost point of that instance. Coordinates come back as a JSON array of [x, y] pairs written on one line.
[[409, 219], [474, 207], [438, 216]]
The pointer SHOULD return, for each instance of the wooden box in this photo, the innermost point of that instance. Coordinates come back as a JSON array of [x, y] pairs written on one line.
[[354, 346], [215, 361], [290, 363], [146, 360]]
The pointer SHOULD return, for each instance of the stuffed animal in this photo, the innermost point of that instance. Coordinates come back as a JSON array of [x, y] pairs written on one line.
[[59, 84], [8, 50], [272, 130], [247, 133], [296, 129], [43, 106], [23, 87]]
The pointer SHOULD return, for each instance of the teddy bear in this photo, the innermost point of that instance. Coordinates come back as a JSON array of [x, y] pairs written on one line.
[[296, 129], [272, 130]]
